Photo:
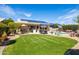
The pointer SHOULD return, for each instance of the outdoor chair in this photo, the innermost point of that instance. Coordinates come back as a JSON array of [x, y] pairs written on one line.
[[72, 34]]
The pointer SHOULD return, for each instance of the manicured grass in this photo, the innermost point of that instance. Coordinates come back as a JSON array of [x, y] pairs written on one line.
[[33, 44]]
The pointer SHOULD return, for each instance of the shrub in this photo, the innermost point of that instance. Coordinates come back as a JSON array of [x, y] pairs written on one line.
[[3, 37]]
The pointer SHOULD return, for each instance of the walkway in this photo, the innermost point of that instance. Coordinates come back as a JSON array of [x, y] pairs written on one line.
[[74, 50], [1, 49], [77, 45], [11, 38], [74, 38]]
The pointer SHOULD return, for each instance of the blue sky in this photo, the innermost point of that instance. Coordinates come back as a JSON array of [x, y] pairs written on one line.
[[53, 13]]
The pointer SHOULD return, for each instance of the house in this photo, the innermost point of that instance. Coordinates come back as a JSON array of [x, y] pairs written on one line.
[[33, 26]]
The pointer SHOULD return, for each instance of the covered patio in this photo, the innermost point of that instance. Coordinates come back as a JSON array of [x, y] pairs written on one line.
[[34, 28]]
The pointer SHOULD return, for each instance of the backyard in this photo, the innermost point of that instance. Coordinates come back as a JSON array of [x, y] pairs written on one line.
[[39, 44]]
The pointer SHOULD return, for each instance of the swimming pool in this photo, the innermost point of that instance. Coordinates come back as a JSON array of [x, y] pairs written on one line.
[[61, 33]]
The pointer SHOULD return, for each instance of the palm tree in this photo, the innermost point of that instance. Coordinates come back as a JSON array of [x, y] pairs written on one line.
[[77, 21]]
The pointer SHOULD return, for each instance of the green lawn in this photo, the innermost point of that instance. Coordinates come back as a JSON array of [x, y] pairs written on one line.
[[33, 44]]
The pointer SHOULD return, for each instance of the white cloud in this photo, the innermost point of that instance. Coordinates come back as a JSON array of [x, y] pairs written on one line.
[[72, 11], [28, 14], [7, 10], [68, 17]]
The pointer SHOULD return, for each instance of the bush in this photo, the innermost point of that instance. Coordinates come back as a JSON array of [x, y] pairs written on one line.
[[3, 37]]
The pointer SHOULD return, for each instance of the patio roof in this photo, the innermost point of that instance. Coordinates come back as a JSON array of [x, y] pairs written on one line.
[[33, 21]]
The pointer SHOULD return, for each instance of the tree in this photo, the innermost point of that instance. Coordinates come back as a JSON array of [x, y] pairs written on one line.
[[12, 27], [17, 25], [70, 27], [55, 25], [2, 25], [6, 21], [3, 30]]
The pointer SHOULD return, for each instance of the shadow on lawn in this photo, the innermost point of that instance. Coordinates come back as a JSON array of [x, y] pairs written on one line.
[[72, 52], [7, 42]]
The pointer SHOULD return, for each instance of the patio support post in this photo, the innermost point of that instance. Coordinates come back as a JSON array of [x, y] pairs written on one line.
[[48, 31], [38, 29], [28, 29]]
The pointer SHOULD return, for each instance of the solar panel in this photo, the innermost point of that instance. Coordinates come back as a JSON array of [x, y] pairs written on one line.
[[33, 21]]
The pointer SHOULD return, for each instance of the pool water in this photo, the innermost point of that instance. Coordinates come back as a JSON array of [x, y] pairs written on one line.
[[61, 33]]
